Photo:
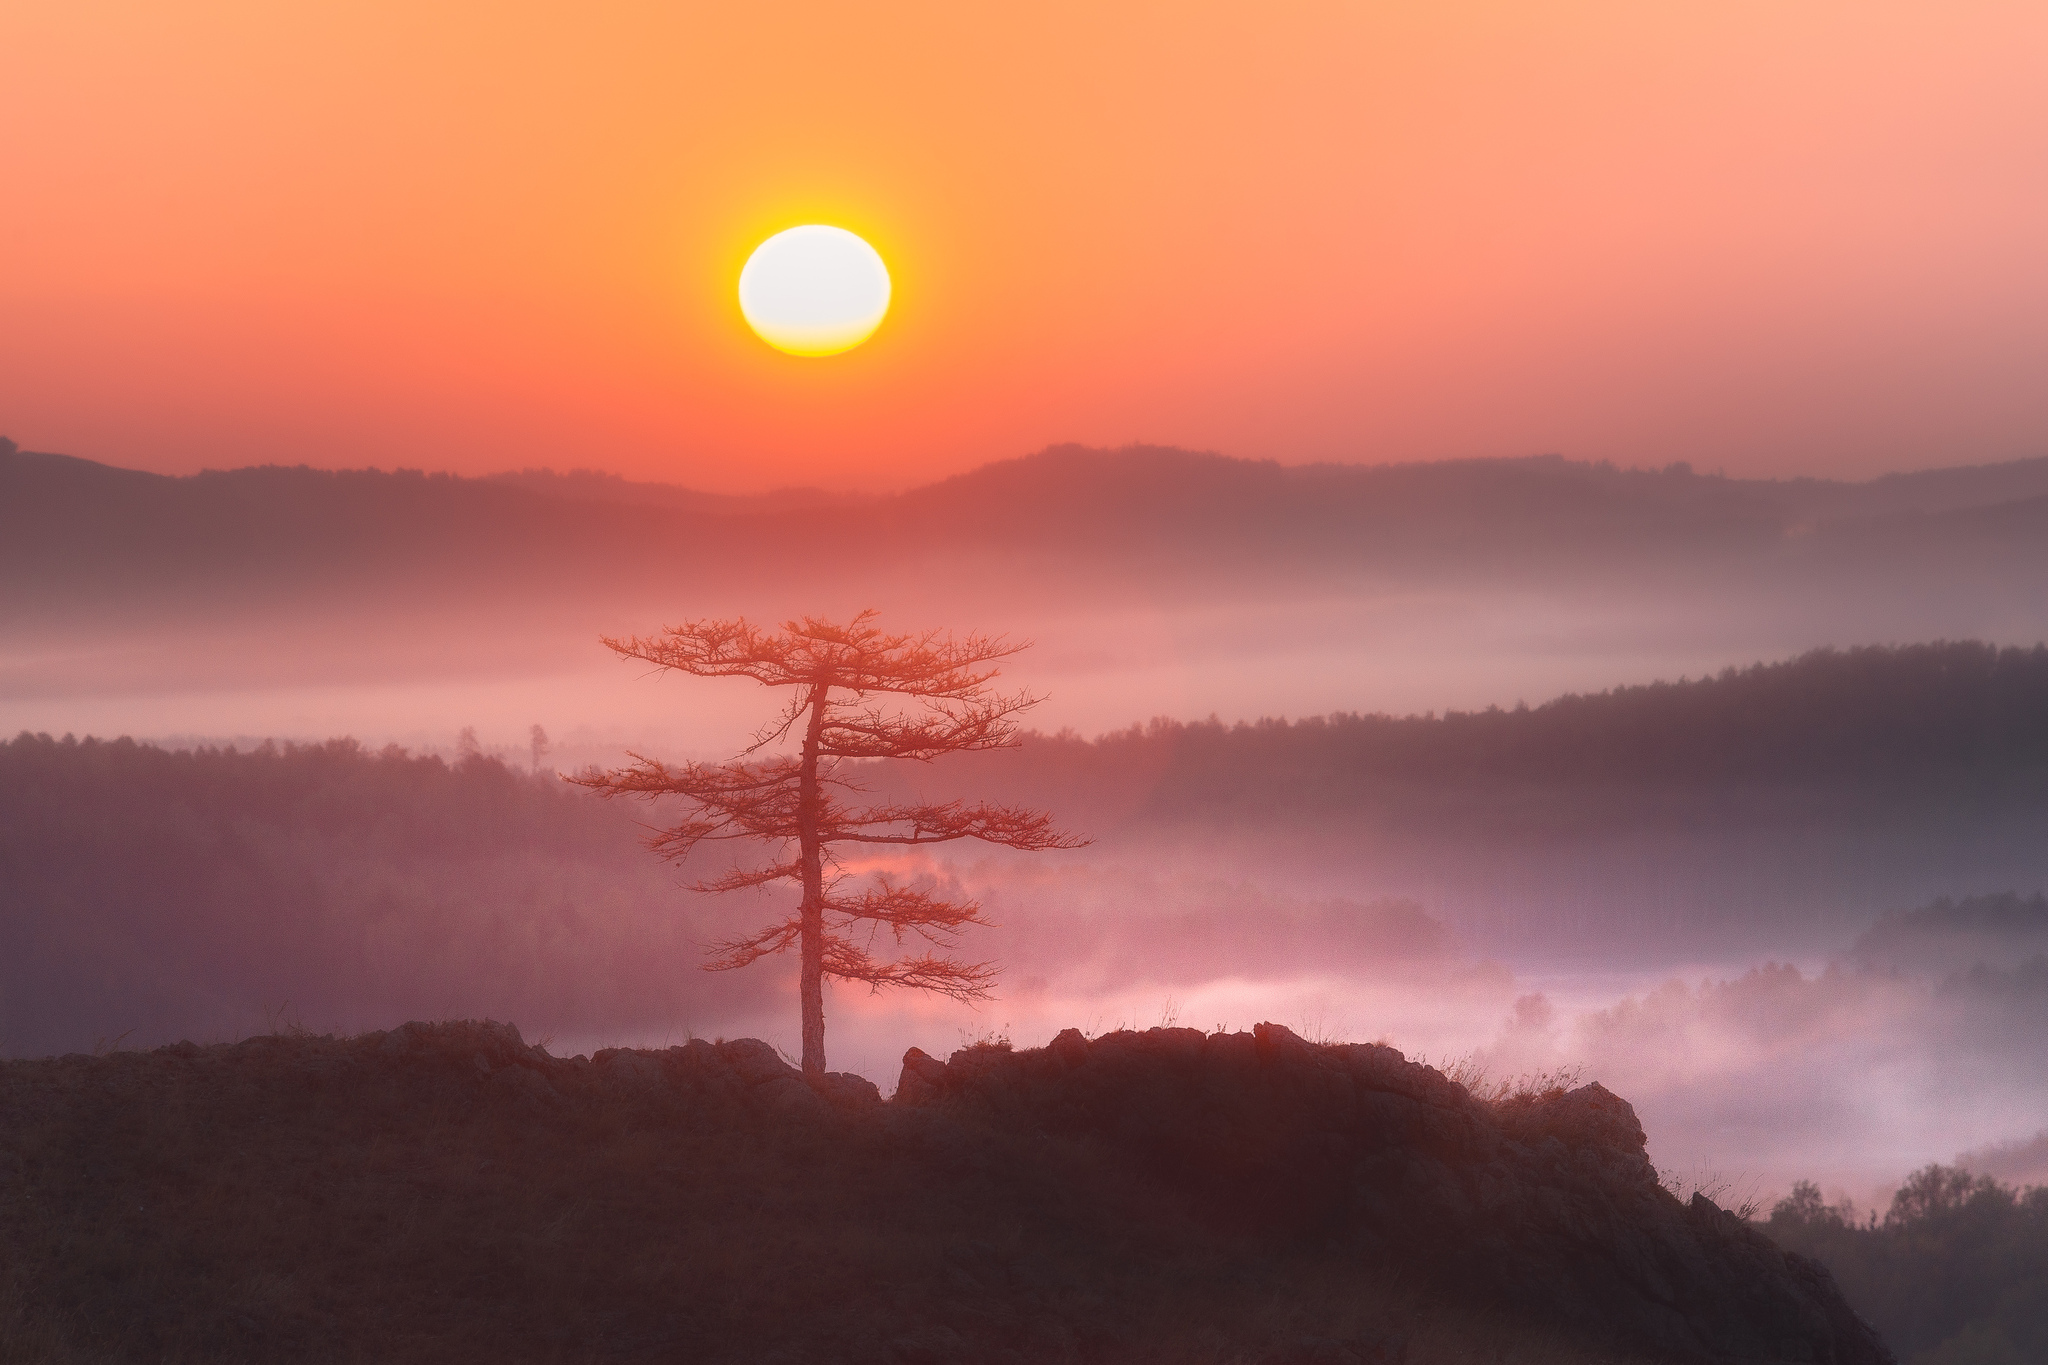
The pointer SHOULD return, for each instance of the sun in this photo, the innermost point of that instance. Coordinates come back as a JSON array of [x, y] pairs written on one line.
[[814, 290]]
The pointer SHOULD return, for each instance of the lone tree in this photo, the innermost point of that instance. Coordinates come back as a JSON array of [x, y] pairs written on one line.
[[840, 676]]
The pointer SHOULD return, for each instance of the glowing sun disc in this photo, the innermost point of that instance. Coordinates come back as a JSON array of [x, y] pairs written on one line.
[[814, 290]]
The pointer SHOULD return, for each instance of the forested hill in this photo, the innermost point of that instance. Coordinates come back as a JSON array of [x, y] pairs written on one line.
[[391, 803], [1933, 719], [185, 893]]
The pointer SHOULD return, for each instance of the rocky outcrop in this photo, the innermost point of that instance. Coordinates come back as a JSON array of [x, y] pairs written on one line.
[[447, 1193], [704, 1078], [1545, 1203], [746, 1070]]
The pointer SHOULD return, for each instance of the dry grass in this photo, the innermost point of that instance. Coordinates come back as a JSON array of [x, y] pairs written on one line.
[[1489, 1089], [1741, 1197]]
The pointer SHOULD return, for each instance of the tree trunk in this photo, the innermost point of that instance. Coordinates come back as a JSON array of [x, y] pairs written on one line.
[[811, 989]]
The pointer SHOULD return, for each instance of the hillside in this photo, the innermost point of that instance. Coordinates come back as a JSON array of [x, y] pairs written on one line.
[[1933, 721], [161, 894], [446, 1193]]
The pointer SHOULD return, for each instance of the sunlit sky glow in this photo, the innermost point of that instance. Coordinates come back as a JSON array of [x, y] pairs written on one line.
[[1760, 237]]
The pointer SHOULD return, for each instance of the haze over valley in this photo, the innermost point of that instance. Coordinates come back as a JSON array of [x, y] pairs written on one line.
[[1722, 894], [395, 606]]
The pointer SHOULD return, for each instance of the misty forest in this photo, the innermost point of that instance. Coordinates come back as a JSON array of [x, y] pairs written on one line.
[[1783, 899]]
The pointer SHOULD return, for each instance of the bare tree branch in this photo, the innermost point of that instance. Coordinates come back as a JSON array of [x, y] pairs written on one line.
[[962, 981], [1010, 826], [740, 878], [783, 799]]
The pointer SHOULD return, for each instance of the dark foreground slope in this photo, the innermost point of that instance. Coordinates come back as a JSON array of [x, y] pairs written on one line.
[[446, 1193]]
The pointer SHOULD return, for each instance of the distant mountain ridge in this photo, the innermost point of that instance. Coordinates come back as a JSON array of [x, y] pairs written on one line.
[[71, 527], [597, 485]]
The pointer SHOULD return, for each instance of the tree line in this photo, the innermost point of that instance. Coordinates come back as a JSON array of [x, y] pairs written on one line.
[[1913, 716], [1955, 1272], [157, 894], [1875, 711]]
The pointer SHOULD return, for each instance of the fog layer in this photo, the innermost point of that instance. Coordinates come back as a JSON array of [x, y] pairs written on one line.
[[1679, 889]]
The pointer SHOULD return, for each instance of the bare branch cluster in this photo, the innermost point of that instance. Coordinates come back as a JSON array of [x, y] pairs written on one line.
[[904, 911], [843, 679], [948, 673]]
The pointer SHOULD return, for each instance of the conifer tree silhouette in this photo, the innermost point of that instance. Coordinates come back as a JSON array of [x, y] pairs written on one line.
[[842, 677]]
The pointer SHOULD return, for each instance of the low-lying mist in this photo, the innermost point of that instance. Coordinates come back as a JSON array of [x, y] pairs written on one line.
[[155, 895]]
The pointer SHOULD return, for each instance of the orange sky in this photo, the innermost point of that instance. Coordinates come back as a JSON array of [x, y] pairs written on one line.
[[1767, 237]]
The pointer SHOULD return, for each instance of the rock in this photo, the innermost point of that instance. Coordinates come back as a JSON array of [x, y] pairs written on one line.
[[459, 1039], [697, 1067], [505, 1036], [929, 1068], [1236, 1051], [913, 1089], [1117, 1045], [923, 1077], [756, 1062], [1070, 1047], [1278, 1043], [980, 1059], [404, 1039], [640, 1072], [1176, 1042], [523, 1085], [1591, 1116], [697, 1054], [845, 1090], [789, 1097]]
